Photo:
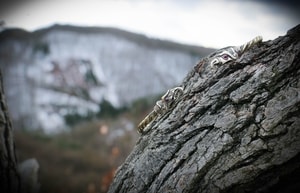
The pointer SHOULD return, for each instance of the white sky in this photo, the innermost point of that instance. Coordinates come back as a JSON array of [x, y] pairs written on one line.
[[216, 23]]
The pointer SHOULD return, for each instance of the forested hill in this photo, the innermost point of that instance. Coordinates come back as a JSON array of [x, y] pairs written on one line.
[[55, 71]]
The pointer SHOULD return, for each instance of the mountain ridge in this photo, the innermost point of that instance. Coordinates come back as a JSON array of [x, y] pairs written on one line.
[[61, 70], [137, 37]]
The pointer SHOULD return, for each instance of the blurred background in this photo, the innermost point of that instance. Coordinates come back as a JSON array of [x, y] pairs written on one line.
[[80, 75]]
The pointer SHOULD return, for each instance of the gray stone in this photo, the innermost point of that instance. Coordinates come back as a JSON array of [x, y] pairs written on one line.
[[237, 130]]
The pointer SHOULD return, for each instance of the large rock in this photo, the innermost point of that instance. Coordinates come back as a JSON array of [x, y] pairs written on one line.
[[236, 129]]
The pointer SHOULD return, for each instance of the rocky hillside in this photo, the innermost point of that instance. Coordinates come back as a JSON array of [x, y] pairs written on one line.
[[61, 70]]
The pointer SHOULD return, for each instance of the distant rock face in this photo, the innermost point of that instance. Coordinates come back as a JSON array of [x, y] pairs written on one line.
[[63, 69]]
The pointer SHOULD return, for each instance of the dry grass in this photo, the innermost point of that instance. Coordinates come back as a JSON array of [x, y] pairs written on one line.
[[80, 161]]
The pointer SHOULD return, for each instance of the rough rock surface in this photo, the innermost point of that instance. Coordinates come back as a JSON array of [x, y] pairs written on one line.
[[236, 129]]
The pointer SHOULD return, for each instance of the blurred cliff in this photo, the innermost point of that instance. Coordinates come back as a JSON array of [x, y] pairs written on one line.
[[88, 87], [59, 74]]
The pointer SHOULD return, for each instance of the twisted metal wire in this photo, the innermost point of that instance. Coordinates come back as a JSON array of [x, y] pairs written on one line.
[[162, 106], [249, 44], [167, 100], [150, 117]]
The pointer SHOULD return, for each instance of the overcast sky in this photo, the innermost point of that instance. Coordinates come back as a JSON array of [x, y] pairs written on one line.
[[217, 23]]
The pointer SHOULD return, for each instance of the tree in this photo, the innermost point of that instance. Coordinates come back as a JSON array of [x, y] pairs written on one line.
[[235, 129], [9, 176]]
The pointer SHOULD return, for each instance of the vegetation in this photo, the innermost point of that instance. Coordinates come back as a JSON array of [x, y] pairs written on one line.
[[107, 111], [84, 158], [143, 104], [90, 77], [74, 118], [41, 47]]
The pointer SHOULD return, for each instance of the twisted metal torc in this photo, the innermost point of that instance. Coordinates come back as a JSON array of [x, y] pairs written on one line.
[[162, 106], [150, 117], [249, 44], [227, 54], [168, 100]]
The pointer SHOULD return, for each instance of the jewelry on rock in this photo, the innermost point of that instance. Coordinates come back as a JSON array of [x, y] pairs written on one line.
[[227, 54], [162, 106], [168, 100]]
